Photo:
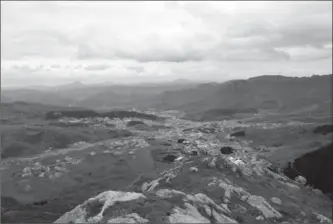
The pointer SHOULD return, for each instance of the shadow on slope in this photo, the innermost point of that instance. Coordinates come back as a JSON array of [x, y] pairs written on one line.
[[316, 167]]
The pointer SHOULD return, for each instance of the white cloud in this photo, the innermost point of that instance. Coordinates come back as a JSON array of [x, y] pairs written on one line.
[[199, 40]]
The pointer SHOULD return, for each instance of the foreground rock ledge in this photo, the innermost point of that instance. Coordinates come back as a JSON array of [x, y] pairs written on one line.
[[164, 205]]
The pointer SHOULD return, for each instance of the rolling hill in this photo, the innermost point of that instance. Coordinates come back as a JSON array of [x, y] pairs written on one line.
[[264, 93]]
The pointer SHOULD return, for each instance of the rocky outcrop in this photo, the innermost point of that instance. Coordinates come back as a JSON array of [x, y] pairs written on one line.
[[94, 210], [205, 193], [169, 206]]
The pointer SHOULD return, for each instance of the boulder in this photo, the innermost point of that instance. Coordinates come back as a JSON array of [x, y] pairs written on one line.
[[276, 200], [300, 180], [212, 163], [194, 169], [181, 140], [129, 218], [226, 150], [263, 206], [194, 153]]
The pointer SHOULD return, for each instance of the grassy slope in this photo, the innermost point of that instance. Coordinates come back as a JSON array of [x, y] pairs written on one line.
[[25, 132]]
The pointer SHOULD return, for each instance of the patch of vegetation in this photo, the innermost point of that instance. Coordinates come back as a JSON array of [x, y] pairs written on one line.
[[75, 114], [219, 113], [133, 123], [323, 129], [30, 141]]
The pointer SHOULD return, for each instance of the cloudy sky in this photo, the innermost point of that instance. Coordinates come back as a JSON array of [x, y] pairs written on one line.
[[60, 42]]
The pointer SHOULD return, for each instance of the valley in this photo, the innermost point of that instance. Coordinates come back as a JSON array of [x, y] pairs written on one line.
[[221, 165]]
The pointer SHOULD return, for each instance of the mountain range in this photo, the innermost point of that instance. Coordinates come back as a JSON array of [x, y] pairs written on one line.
[[272, 93]]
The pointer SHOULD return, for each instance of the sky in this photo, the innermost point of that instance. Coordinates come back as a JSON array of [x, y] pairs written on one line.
[[48, 43]]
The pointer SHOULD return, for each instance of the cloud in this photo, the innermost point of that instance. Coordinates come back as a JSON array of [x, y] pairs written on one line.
[[155, 39], [96, 67], [55, 66], [138, 69]]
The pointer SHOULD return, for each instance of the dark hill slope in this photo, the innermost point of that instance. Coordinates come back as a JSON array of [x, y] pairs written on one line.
[[316, 167], [90, 114]]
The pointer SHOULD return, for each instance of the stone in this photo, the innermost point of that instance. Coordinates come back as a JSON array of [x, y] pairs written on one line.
[[189, 214], [166, 193], [150, 186], [300, 180], [292, 186], [260, 218], [240, 209], [276, 200], [129, 218], [179, 159], [41, 175], [194, 153], [212, 163], [244, 197], [205, 160], [322, 219], [317, 191], [106, 199], [262, 205], [181, 140], [194, 169]]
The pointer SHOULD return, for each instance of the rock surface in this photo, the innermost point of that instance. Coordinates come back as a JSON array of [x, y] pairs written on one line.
[[212, 197]]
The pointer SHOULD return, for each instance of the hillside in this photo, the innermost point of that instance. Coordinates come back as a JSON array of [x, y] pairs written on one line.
[[109, 96], [170, 171], [265, 93], [35, 96], [262, 93]]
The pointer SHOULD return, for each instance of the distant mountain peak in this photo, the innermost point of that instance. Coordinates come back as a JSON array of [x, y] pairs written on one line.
[[271, 78]]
